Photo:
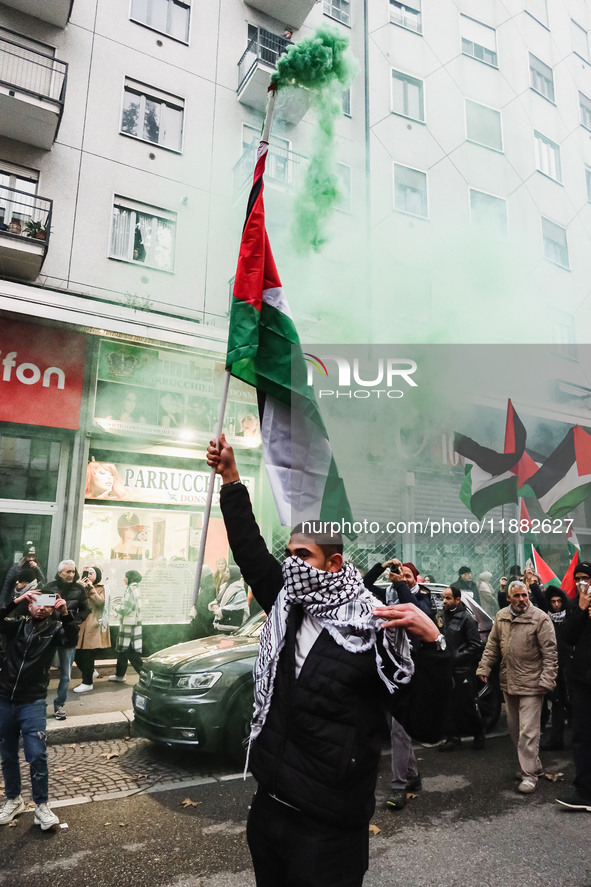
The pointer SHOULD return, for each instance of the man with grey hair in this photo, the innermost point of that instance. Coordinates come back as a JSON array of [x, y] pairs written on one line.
[[67, 586], [523, 642]]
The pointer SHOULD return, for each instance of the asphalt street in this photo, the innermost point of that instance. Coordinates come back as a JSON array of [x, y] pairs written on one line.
[[140, 814]]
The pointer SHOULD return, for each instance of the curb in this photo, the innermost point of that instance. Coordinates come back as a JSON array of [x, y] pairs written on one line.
[[89, 728]]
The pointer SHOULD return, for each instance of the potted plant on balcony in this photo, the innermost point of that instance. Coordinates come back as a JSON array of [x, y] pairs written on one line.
[[36, 230]]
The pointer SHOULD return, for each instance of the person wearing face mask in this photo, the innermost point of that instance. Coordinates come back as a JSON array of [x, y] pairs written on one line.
[[31, 643], [94, 631]]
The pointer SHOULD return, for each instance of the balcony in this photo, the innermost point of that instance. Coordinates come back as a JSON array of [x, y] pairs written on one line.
[[254, 72], [284, 169], [55, 12], [25, 222], [288, 12], [32, 90]]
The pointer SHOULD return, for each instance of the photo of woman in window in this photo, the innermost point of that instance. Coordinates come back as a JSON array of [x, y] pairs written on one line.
[[103, 482]]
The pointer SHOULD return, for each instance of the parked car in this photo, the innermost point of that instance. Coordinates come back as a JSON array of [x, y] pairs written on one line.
[[200, 693]]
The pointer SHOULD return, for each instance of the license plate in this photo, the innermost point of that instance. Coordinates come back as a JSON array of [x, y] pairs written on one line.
[[141, 702]]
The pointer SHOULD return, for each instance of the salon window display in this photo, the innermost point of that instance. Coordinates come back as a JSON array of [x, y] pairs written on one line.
[[103, 482], [133, 537]]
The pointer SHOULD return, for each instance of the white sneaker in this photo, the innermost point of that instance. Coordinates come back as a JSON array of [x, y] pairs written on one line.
[[83, 688], [11, 808], [45, 817], [526, 786], [95, 675], [115, 677]]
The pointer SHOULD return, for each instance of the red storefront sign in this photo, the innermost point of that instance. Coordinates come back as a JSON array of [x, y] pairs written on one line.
[[41, 375]]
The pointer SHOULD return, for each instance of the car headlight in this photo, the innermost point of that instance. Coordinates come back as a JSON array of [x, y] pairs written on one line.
[[203, 680]]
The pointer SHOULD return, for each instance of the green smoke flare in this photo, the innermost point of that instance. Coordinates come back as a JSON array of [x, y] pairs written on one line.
[[323, 65]]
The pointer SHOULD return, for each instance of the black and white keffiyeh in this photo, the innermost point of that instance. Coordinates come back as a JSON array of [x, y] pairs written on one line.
[[341, 604]]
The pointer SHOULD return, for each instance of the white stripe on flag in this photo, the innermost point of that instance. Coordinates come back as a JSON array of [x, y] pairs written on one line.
[[275, 297]]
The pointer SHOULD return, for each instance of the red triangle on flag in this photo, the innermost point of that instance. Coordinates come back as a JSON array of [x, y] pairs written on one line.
[[524, 515], [546, 574], [568, 583], [582, 442]]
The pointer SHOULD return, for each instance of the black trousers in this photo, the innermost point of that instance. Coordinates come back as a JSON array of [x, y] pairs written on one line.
[[463, 716], [129, 656], [581, 723], [289, 849], [84, 659]]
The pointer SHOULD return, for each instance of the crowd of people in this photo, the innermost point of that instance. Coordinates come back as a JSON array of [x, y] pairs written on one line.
[[336, 651]]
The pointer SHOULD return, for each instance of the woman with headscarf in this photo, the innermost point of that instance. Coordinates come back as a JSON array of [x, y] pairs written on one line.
[[486, 593], [93, 635], [129, 641], [231, 603]]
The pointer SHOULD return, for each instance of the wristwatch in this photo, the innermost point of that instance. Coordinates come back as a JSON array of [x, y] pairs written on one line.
[[440, 642]]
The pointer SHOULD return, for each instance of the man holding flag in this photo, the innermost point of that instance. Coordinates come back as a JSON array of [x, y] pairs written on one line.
[[331, 657]]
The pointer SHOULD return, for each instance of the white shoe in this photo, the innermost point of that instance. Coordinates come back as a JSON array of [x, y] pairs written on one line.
[[95, 675], [526, 786], [83, 688], [45, 817], [115, 677], [11, 808]]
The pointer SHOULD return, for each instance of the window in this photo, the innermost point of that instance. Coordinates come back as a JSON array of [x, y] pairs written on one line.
[[339, 9], [479, 41], [555, 245], [408, 15], [346, 105], [585, 106], [143, 234], [547, 156], [489, 211], [588, 182], [539, 10], [152, 115], [167, 16], [541, 77], [278, 166], [580, 40], [410, 191], [18, 188], [407, 96], [483, 125]]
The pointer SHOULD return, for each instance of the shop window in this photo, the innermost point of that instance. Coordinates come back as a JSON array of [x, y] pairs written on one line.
[[580, 39], [29, 468], [152, 116], [169, 17], [338, 9], [547, 156], [483, 125], [585, 106], [555, 243], [479, 41], [407, 15], [143, 234], [407, 96], [410, 191], [541, 77], [488, 211]]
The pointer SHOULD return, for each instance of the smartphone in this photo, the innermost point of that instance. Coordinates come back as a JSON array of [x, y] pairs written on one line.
[[46, 600], [84, 574]]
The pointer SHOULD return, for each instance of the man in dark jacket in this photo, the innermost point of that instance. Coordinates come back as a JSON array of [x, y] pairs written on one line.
[[578, 633], [67, 586], [321, 679], [556, 605], [28, 559], [465, 648], [31, 642]]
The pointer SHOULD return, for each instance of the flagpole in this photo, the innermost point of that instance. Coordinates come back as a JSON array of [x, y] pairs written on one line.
[[266, 132]]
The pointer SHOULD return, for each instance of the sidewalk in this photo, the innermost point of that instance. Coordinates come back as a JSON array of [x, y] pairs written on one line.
[[103, 713]]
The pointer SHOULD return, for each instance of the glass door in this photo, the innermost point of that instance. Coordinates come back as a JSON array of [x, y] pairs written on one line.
[[18, 528]]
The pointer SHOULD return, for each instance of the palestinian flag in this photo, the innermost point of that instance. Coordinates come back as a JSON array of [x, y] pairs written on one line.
[[524, 519], [568, 583], [490, 477], [264, 351], [563, 481], [539, 565], [573, 543]]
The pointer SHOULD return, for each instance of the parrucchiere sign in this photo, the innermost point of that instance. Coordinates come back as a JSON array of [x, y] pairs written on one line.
[[41, 375]]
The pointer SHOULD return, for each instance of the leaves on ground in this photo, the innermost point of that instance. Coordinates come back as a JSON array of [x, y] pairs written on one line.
[[411, 796], [189, 803], [374, 830], [73, 745], [61, 769], [107, 755], [554, 777], [76, 779]]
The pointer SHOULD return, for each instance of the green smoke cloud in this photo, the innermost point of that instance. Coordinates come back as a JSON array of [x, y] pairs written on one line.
[[324, 65]]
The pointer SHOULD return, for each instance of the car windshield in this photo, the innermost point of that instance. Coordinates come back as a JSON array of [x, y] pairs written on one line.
[[252, 627]]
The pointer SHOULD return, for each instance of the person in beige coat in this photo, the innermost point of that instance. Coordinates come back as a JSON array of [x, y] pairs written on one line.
[[523, 642], [94, 631]]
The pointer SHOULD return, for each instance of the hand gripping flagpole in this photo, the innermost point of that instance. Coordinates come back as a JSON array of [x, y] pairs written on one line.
[[272, 94]]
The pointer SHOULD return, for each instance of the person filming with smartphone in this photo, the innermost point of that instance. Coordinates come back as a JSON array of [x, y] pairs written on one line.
[[31, 643]]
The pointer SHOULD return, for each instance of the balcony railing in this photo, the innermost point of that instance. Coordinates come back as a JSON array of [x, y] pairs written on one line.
[[25, 223], [284, 169], [264, 47], [28, 71]]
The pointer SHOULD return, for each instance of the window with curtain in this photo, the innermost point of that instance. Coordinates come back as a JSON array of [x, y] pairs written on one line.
[[541, 77], [152, 115], [580, 40], [18, 188], [339, 9], [547, 156], [407, 96], [407, 15], [170, 17], [555, 244], [143, 234], [410, 190], [479, 41], [585, 106]]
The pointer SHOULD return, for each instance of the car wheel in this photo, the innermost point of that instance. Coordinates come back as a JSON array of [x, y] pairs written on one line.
[[238, 726]]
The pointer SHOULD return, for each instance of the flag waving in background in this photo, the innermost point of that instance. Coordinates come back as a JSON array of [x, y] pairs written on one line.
[[563, 481], [264, 351], [492, 478], [547, 575]]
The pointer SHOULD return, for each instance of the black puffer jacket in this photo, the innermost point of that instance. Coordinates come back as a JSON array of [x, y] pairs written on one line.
[[462, 638], [577, 632], [30, 648], [320, 746], [73, 594]]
